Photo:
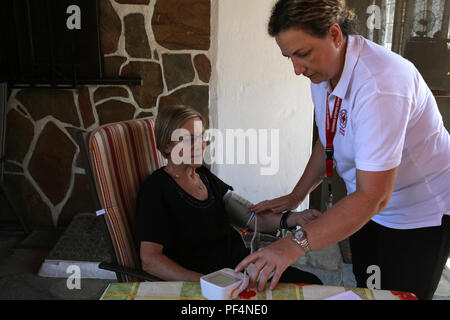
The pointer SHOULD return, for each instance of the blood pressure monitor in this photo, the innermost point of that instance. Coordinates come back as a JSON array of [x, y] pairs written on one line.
[[220, 285]]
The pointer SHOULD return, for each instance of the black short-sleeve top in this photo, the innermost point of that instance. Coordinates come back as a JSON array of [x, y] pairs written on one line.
[[195, 234]]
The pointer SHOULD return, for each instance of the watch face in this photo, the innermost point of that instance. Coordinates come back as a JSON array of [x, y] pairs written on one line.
[[299, 234]]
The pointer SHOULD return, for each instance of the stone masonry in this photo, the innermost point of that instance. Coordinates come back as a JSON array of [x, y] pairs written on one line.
[[165, 42]]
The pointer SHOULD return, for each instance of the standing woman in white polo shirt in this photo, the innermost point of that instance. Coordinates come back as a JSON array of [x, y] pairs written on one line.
[[379, 125]]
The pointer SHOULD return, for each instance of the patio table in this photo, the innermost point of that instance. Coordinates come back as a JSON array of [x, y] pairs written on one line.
[[182, 290]]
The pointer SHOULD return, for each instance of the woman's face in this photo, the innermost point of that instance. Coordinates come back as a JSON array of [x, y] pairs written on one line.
[[191, 138], [316, 58]]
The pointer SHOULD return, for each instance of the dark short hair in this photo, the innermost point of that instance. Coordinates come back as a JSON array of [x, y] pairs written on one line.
[[312, 16]]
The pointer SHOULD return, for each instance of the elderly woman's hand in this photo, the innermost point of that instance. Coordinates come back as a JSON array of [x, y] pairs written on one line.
[[277, 205], [304, 217]]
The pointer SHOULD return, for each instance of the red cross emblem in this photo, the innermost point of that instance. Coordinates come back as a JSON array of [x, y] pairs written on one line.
[[343, 119]]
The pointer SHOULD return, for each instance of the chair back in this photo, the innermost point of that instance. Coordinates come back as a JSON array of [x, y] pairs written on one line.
[[122, 156]]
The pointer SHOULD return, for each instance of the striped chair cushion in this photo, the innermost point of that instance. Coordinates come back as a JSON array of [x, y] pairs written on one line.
[[122, 156]]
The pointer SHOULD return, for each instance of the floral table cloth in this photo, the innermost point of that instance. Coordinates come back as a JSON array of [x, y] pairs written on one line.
[[181, 290]]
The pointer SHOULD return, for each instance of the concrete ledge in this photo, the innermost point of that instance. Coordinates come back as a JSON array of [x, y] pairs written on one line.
[[61, 269]]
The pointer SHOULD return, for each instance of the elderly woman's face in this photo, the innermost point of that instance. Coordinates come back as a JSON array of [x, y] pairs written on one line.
[[191, 139], [315, 58]]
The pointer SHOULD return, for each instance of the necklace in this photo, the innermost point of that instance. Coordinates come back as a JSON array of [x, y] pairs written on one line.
[[170, 171], [177, 176]]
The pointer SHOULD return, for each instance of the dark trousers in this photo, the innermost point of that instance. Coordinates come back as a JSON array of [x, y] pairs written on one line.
[[295, 275], [409, 260]]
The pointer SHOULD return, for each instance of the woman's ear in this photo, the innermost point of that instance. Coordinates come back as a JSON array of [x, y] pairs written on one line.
[[336, 35], [168, 149]]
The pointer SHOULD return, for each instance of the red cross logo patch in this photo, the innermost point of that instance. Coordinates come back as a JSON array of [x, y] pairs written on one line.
[[343, 121]]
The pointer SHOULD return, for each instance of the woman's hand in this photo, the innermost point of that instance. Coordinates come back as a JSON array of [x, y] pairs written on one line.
[[276, 257], [279, 255], [277, 205], [269, 221], [158, 264]]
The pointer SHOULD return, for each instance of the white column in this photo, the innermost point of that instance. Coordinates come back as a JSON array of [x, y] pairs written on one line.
[[254, 87]]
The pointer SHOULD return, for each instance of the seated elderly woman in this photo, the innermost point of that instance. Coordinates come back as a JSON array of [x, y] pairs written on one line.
[[181, 222]]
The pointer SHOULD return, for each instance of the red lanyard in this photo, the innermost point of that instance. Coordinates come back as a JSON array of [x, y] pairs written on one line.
[[331, 124]]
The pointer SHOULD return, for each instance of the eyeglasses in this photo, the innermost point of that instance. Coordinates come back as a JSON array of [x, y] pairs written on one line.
[[205, 137]]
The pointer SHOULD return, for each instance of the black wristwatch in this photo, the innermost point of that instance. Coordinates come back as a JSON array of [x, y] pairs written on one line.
[[283, 221]]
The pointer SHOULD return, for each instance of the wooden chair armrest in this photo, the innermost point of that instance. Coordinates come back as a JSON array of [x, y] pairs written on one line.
[[139, 274]]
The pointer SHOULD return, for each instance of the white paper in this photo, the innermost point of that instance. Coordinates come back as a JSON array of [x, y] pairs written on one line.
[[100, 212], [347, 295]]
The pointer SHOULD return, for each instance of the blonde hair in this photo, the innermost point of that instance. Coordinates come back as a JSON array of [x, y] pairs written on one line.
[[312, 16], [168, 120]]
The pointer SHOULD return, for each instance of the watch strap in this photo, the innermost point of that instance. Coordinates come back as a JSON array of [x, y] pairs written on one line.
[[303, 242], [283, 220]]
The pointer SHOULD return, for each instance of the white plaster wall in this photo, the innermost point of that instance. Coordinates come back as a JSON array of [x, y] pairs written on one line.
[[254, 86]]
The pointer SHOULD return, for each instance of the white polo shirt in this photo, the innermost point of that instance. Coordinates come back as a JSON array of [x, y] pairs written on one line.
[[389, 118]]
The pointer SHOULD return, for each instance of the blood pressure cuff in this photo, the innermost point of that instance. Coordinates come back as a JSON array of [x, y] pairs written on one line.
[[238, 209]]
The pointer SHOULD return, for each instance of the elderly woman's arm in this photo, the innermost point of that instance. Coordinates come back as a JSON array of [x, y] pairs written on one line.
[[161, 266], [269, 221]]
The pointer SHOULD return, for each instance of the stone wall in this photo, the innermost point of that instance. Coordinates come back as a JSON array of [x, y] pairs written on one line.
[[166, 42]]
